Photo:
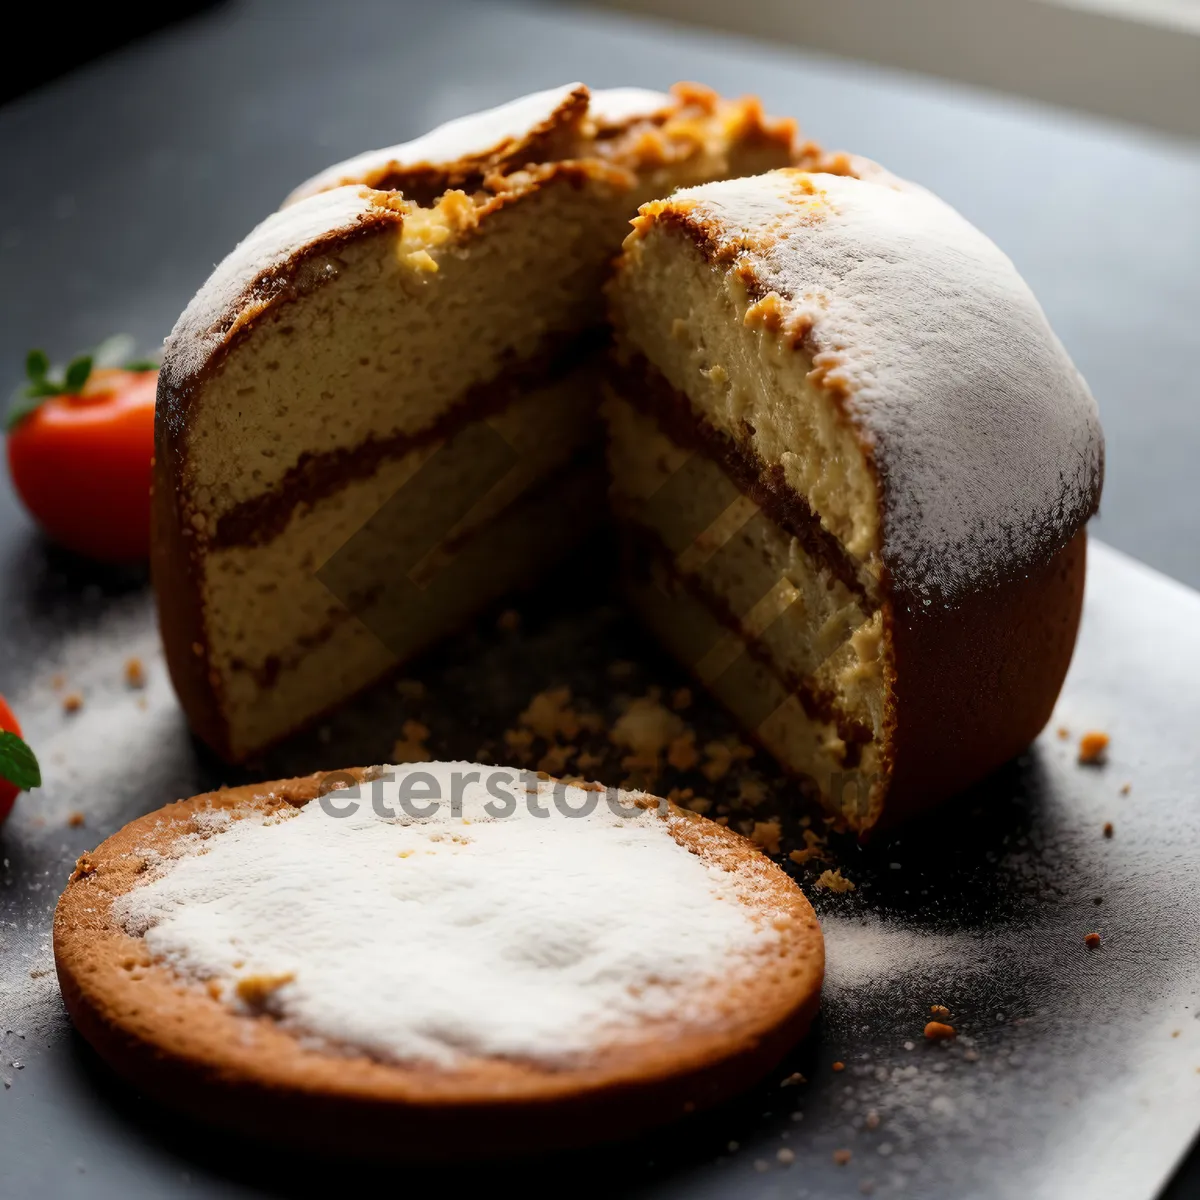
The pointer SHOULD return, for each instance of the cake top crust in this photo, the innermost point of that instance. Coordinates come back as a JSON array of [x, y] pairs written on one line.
[[249, 276], [983, 436], [522, 130]]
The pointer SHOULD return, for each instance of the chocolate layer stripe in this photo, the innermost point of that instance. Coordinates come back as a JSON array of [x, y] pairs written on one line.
[[640, 382], [263, 518], [643, 546]]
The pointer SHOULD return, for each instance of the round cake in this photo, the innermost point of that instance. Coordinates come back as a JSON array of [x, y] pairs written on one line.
[[435, 960], [855, 465]]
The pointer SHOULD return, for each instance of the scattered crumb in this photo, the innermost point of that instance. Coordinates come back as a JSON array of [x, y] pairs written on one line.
[[509, 620], [841, 1157], [719, 757], [556, 758], [411, 746], [1108, 829], [410, 689], [814, 847], [834, 881], [1091, 940], [699, 804], [767, 834], [75, 819], [519, 743], [1063, 732], [1126, 788], [786, 1156], [551, 716], [83, 868], [645, 729], [682, 753], [871, 1120], [135, 673], [72, 702], [939, 1010], [142, 703], [1092, 747], [681, 698], [58, 682], [938, 1031], [256, 989], [792, 1080], [1175, 1033], [586, 760], [751, 792], [839, 1066]]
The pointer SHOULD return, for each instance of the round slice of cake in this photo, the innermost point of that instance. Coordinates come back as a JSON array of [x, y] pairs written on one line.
[[435, 959], [855, 464]]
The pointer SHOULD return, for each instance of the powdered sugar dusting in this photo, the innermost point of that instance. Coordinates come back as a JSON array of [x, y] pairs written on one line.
[[233, 290], [986, 439], [498, 926], [475, 136], [615, 106]]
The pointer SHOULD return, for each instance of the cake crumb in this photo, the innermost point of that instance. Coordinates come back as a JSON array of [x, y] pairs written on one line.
[[938, 1031], [681, 698], [814, 847], [834, 881], [1092, 747], [645, 729], [75, 819], [761, 1165], [1108, 829], [586, 760], [1063, 733], [255, 990], [682, 753], [839, 1066], [135, 673], [556, 758], [786, 1156], [551, 716], [767, 834], [719, 760], [84, 866], [939, 1010], [792, 1080], [509, 620], [72, 702], [411, 746], [871, 1120], [841, 1157], [1126, 788], [1091, 940], [58, 682], [751, 792]]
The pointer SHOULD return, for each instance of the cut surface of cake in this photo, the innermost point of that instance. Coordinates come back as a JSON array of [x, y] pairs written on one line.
[[390, 383], [854, 464], [473, 960]]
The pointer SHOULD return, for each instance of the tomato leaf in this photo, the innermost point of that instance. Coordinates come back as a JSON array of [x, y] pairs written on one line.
[[36, 365], [77, 373], [18, 764]]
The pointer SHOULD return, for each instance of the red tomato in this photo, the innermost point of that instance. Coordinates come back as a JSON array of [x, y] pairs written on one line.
[[8, 791], [81, 464]]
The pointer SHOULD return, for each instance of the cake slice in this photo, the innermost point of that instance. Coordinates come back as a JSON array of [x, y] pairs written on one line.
[[854, 465], [435, 961], [378, 414]]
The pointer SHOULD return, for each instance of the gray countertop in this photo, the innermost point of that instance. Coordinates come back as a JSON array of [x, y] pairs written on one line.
[[128, 180]]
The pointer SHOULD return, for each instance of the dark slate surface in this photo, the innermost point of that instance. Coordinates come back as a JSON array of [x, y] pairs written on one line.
[[128, 180]]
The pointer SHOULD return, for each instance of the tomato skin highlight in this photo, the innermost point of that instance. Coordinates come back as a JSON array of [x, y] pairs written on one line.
[[82, 464], [8, 791]]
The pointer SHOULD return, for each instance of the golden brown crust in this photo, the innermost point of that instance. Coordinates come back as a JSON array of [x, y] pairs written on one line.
[[178, 1044], [972, 686]]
